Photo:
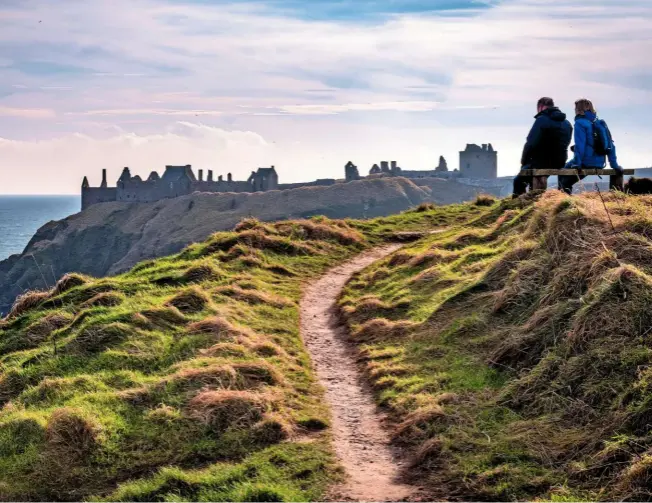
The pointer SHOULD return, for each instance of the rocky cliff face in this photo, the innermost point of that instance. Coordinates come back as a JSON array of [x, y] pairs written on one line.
[[110, 238]]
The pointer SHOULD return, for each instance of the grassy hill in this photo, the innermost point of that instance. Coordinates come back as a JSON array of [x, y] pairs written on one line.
[[184, 378], [514, 354], [511, 349]]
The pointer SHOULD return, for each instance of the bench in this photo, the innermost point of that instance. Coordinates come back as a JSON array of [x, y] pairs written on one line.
[[540, 176]]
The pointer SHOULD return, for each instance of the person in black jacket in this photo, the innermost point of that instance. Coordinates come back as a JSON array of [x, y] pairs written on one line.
[[547, 144]]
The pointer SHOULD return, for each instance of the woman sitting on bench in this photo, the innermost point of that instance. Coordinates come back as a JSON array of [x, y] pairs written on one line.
[[593, 144]]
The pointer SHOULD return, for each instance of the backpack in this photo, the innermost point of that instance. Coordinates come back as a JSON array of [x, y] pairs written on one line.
[[602, 141]]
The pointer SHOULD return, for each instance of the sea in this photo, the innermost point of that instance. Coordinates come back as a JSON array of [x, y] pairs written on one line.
[[22, 216]]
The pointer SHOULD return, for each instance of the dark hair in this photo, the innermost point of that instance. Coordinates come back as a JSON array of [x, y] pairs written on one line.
[[545, 102]]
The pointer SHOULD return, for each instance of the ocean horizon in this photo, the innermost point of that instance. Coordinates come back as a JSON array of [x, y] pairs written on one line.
[[22, 215]]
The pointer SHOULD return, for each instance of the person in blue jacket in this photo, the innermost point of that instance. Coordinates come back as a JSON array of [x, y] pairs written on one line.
[[593, 145]]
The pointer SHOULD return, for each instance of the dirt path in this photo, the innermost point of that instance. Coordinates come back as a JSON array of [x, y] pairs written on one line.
[[361, 441]]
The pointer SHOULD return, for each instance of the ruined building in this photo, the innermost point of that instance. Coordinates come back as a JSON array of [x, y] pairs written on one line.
[[176, 181], [476, 163], [479, 162]]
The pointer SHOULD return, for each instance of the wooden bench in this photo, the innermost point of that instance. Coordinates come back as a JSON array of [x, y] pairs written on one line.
[[540, 176]]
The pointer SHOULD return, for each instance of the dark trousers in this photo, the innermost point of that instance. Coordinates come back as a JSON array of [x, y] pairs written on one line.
[[565, 183], [521, 183]]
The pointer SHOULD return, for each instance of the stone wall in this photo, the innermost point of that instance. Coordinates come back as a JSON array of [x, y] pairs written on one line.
[[95, 195]]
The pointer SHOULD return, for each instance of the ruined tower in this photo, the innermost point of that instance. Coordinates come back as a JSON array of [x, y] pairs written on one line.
[[351, 172], [442, 167], [479, 162]]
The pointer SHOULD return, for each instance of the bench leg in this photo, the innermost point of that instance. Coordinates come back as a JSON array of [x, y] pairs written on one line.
[[616, 182], [539, 182]]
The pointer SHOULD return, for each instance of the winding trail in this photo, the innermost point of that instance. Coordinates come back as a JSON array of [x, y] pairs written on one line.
[[361, 440]]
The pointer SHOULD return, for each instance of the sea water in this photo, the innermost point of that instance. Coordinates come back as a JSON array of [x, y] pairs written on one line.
[[21, 217]]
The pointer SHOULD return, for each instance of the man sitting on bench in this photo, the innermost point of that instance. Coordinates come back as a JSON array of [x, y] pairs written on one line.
[[547, 144]]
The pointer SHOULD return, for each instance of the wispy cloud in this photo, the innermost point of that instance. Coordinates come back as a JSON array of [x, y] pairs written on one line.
[[303, 70], [27, 113]]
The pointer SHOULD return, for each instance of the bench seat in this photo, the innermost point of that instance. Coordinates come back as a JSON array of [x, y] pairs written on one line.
[[548, 172], [540, 176]]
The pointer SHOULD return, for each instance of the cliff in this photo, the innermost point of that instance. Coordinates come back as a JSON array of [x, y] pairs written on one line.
[[110, 238]]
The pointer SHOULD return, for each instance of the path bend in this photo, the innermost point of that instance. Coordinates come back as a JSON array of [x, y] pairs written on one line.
[[361, 440]]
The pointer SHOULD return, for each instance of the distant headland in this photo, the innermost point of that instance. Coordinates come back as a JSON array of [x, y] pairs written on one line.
[[476, 163]]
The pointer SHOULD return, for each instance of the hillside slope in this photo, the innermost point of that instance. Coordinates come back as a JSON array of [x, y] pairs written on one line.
[[515, 354], [184, 378], [110, 238]]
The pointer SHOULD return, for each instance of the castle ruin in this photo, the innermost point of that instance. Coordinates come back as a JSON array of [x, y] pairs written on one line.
[[176, 181], [475, 163], [479, 162]]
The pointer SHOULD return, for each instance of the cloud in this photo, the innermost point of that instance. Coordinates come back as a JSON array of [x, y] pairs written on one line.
[[27, 113], [332, 109], [293, 71], [70, 157]]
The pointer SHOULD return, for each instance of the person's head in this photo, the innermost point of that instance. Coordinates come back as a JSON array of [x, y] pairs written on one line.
[[582, 106], [544, 103]]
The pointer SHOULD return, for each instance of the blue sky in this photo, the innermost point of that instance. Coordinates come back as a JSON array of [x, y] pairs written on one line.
[[306, 86]]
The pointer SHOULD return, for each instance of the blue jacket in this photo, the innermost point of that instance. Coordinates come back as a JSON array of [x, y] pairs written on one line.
[[584, 154]]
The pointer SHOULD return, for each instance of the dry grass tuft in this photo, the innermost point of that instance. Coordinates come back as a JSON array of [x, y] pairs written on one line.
[[251, 223], [380, 329], [253, 296], [415, 426], [227, 350], [272, 429], [306, 229], [228, 408], [96, 338], [108, 299], [400, 258], [70, 433], [190, 301], [484, 200], [164, 316], [68, 282], [40, 330], [218, 327], [26, 302], [423, 207], [201, 273], [267, 349], [428, 454], [427, 259], [240, 376], [256, 238]]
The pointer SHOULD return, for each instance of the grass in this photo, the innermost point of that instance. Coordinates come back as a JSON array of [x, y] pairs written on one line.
[[513, 353], [185, 378]]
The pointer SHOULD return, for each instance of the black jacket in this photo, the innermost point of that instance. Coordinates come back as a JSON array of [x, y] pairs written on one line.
[[547, 144]]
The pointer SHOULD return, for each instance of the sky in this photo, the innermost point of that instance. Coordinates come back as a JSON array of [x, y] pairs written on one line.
[[232, 85]]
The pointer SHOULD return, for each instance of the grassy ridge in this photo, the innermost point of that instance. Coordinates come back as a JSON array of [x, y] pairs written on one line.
[[514, 353], [185, 378]]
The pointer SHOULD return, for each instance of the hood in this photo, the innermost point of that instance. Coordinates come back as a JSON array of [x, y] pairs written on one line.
[[589, 116], [554, 113]]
